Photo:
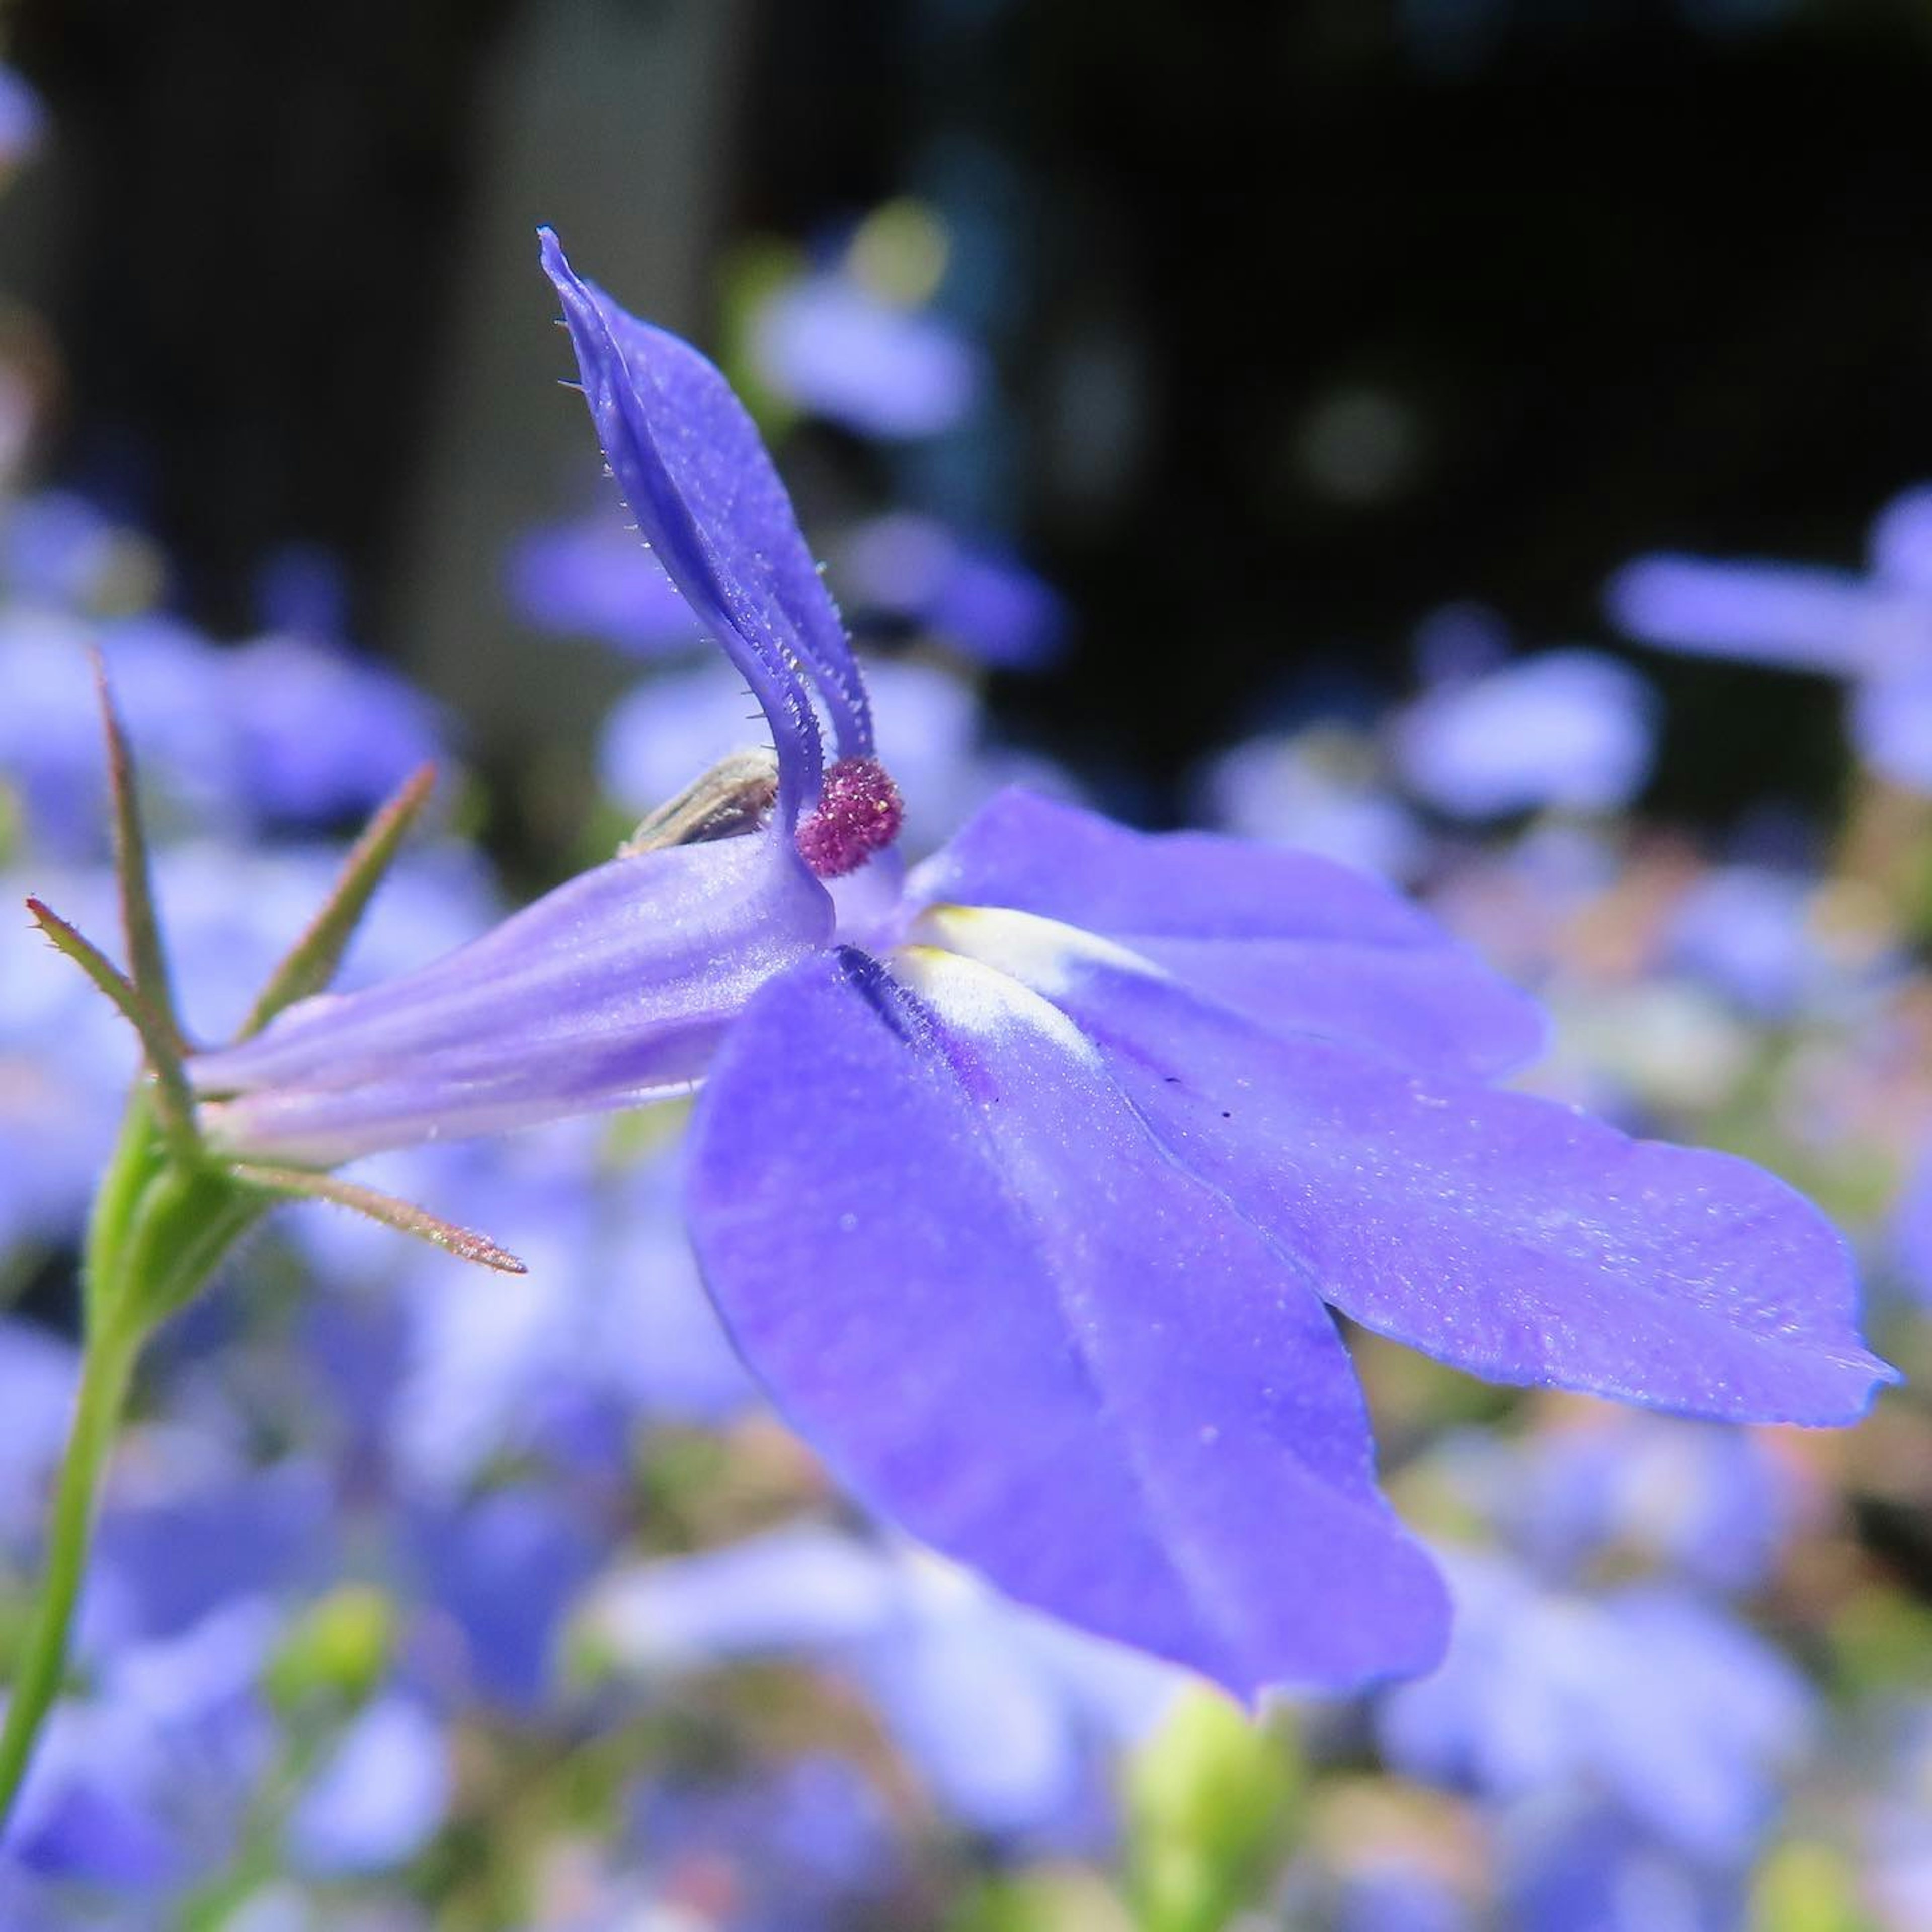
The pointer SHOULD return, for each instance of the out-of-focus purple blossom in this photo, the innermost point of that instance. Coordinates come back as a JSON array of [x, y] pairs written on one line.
[[23, 119], [986, 605], [1320, 790], [1643, 1699], [1009, 1718], [1757, 935], [1581, 1868], [178, 1540], [58, 549], [833, 347], [804, 1846], [1568, 730], [50, 751], [319, 735], [141, 1783], [285, 731], [1390, 1896], [1874, 630], [591, 577], [302, 591], [610, 1328], [1013, 1720], [1711, 1504], [380, 1795], [497, 1576]]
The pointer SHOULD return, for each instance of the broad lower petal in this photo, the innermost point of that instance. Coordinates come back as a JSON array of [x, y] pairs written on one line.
[[1296, 942], [613, 988], [1010, 1322], [1508, 1235]]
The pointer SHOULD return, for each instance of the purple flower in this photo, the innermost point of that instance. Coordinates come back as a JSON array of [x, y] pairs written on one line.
[[986, 605], [1566, 730], [1714, 1505], [1022, 1181], [1584, 1868], [1321, 790], [379, 1796], [501, 1573], [1873, 630], [1644, 1698], [23, 119], [828, 344], [141, 1784], [58, 548], [1009, 1718], [287, 729], [318, 734], [807, 1846], [591, 578]]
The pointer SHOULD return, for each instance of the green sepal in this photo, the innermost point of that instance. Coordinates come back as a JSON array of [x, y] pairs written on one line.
[[147, 960], [302, 1183], [173, 1104], [311, 962]]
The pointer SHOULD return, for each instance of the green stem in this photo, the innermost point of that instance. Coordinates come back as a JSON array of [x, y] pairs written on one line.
[[155, 1234], [106, 1369]]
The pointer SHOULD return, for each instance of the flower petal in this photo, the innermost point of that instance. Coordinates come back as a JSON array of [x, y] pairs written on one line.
[[1011, 1322], [1891, 726], [615, 986], [1297, 942], [695, 474], [1807, 618], [1511, 1236]]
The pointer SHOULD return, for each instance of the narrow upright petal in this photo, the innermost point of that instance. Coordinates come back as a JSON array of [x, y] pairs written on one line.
[[1297, 942], [1012, 1323], [1508, 1235], [691, 466]]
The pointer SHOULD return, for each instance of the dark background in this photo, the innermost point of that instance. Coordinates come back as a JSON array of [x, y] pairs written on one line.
[[1307, 318]]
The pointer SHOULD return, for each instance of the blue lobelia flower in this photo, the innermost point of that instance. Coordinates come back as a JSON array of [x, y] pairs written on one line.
[[587, 578], [1873, 630], [380, 1795], [1011, 1720], [1570, 730], [1645, 1698], [1710, 1505], [982, 600], [23, 119], [1022, 1181], [829, 344]]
